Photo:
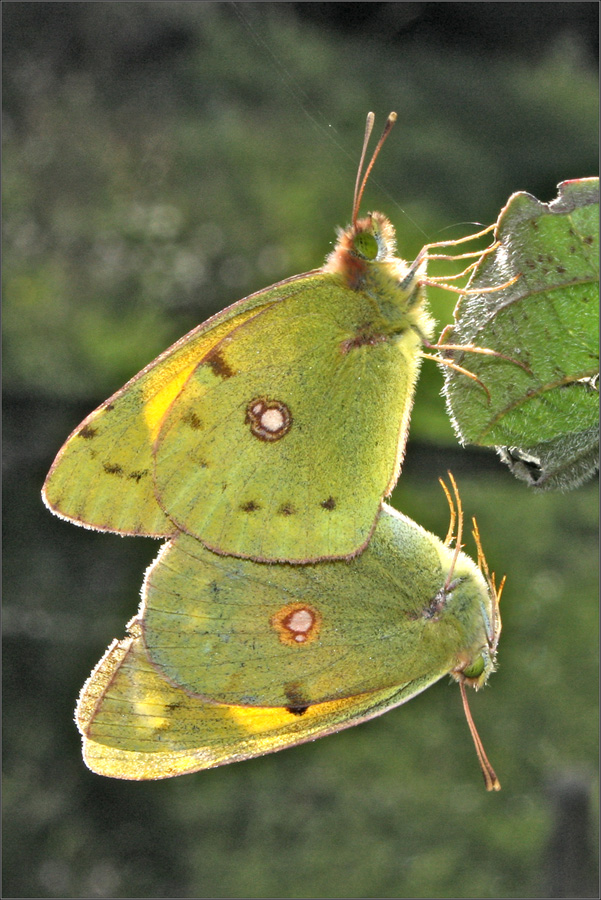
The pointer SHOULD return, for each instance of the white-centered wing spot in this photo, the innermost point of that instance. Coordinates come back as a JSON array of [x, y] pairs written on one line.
[[269, 420], [296, 623]]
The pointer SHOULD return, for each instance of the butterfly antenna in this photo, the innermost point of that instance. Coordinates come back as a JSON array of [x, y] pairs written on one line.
[[369, 124], [490, 777], [360, 184]]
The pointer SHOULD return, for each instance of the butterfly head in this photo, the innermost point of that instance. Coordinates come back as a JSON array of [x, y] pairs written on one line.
[[368, 240], [476, 590], [475, 669], [371, 239], [366, 249], [472, 587]]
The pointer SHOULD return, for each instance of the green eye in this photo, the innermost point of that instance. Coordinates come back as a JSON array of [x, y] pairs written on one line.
[[476, 668], [366, 245]]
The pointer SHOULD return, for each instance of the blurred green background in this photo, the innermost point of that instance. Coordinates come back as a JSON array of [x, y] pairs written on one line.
[[162, 160]]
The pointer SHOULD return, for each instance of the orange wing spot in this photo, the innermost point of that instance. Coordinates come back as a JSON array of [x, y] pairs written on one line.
[[269, 420], [296, 624]]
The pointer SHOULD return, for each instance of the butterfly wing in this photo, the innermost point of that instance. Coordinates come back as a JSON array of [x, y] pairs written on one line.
[[135, 725], [140, 712], [252, 430], [239, 632], [103, 475], [283, 442]]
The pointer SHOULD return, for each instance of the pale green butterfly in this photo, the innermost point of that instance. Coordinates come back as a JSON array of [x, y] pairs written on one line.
[[273, 430], [230, 659]]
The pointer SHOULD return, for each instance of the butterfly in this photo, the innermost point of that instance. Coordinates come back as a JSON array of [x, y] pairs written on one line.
[[229, 658], [274, 430]]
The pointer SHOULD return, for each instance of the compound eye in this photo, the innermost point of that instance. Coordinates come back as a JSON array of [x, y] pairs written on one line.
[[475, 669], [366, 245]]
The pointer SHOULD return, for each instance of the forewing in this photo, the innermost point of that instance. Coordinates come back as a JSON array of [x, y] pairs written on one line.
[[103, 475]]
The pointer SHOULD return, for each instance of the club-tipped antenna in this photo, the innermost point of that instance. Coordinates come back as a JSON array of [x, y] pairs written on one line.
[[490, 777], [360, 184]]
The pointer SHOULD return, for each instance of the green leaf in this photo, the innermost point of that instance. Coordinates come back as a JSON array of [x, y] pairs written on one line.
[[562, 464], [540, 406]]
